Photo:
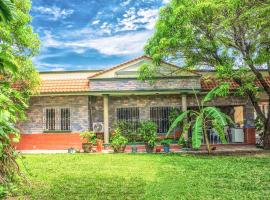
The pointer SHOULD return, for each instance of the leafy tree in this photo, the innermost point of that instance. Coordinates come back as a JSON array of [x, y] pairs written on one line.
[[231, 36], [6, 10], [18, 80], [202, 118]]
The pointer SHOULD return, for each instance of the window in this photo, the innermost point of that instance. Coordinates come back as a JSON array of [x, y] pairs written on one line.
[[160, 115], [130, 115], [56, 119]]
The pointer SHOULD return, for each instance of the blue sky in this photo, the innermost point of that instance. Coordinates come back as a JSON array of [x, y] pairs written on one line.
[[91, 34]]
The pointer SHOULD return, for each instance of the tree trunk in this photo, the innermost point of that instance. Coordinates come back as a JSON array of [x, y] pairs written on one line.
[[206, 141], [266, 133]]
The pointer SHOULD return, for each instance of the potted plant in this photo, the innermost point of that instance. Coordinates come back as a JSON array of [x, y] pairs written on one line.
[[118, 142], [148, 132], [91, 141], [166, 145]]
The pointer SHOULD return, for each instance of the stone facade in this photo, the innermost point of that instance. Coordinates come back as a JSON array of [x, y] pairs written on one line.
[[137, 85], [144, 102], [88, 109], [78, 106]]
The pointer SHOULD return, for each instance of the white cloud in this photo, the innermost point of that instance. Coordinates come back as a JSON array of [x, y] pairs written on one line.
[[125, 3], [166, 1], [143, 18], [95, 22], [55, 12], [125, 44]]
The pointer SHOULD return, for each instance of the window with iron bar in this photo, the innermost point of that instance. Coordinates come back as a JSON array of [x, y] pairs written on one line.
[[129, 115], [160, 115], [56, 119]]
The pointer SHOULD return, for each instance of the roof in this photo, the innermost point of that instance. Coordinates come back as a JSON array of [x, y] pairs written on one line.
[[67, 85], [137, 59], [210, 83], [78, 81], [65, 82]]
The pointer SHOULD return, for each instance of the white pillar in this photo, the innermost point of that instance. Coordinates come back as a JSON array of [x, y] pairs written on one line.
[[184, 102], [106, 118]]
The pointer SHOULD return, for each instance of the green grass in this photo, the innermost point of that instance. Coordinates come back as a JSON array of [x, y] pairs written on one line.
[[143, 176]]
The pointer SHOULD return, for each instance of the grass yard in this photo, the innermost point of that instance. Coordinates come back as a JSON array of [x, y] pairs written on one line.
[[144, 176]]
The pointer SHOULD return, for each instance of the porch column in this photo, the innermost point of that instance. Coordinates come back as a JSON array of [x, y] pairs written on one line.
[[184, 102], [106, 118], [184, 108]]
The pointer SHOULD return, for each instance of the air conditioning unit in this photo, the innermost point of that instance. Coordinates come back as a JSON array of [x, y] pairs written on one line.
[[237, 135], [98, 127]]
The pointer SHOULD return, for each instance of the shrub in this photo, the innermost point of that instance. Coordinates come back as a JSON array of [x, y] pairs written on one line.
[[148, 132], [166, 142], [128, 130], [89, 136], [118, 141]]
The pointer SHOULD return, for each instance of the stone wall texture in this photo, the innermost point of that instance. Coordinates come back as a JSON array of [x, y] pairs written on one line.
[[135, 84], [88, 109], [79, 112], [144, 102]]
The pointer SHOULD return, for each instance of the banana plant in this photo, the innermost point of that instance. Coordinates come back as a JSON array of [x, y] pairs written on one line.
[[202, 117]]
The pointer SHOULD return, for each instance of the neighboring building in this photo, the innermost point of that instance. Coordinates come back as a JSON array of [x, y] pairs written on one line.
[[76, 101]]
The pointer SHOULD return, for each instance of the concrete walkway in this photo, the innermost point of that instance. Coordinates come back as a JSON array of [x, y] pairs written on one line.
[[222, 149]]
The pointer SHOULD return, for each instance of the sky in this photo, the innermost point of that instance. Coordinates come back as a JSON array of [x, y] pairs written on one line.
[[91, 34]]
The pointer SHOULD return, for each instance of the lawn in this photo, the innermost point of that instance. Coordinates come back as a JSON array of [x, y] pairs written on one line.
[[144, 176]]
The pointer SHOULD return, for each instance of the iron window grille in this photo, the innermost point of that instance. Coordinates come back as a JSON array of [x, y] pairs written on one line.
[[160, 115], [56, 119], [130, 116]]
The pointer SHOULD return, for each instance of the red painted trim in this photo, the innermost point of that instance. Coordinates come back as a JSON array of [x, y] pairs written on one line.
[[49, 141]]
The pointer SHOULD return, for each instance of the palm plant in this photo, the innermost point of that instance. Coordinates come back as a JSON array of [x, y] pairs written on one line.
[[202, 117]]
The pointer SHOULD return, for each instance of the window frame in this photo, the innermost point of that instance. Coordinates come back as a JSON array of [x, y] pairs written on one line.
[[133, 120], [158, 121], [57, 119]]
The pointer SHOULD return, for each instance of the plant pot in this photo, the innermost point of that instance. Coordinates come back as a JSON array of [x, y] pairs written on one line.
[[87, 147], [119, 149], [149, 149], [166, 149], [158, 149], [99, 145], [71, 150], [134, 149]]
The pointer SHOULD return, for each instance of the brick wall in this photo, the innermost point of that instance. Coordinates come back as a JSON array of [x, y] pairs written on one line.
[[77, 104]]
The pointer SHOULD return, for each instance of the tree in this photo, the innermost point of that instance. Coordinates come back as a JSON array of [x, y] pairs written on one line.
[[230, 36], [6, 10], [202, 118], [18, 80]]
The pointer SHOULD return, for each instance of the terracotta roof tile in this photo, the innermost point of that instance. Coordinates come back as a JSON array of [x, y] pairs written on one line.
[[66, 85], [210, 83]]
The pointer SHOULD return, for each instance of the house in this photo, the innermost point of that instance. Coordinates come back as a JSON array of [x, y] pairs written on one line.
[[70, 102]]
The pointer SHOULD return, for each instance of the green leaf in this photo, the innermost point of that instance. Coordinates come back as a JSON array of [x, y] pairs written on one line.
[[179, 119], [221, 90], [197, 132], [220, 131], [216, 114]]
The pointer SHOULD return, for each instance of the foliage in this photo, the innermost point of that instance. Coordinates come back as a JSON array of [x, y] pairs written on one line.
[[89, 136], [229, 36], [166, 142], [18, 80], [128, 130], [118, 141], [146, 176], [202, 118], [148, 132], [6, 10]]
